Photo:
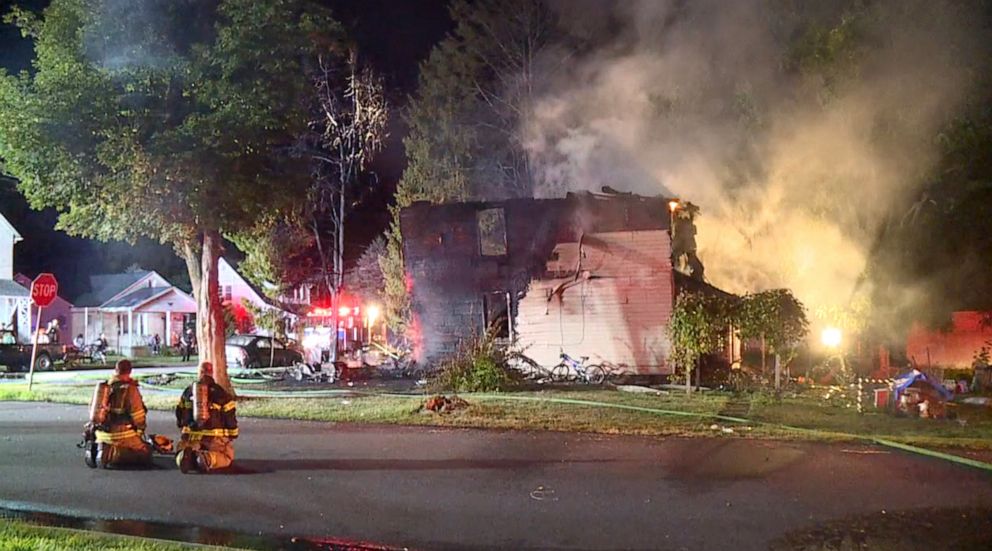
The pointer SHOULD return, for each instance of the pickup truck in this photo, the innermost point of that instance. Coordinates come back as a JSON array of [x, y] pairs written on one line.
[[17, 357]]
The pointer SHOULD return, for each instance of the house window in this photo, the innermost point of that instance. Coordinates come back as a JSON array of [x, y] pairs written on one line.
[[492, 232], [497, 313], [225, 293]]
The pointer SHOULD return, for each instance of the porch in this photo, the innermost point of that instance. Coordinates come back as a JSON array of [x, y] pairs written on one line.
[[131, 322]]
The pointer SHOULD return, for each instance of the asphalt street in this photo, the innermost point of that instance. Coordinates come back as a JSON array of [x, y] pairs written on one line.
[[431, 488]]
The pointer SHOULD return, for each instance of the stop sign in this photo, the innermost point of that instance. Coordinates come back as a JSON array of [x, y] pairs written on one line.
[[44, 289]]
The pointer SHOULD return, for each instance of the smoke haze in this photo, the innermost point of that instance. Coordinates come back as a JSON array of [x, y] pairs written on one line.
[[795, 156]]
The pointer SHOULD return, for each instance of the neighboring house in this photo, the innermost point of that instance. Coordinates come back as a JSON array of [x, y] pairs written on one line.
[[950, 347], [60, 309], [15, 300], [130, 308], [236, 290], [589, 275]]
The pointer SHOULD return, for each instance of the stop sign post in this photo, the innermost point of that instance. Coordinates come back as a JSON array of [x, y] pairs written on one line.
[[44, 289]]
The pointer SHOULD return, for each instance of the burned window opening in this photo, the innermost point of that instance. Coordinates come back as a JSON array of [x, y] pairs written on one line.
[[492, 232], [497, 313]]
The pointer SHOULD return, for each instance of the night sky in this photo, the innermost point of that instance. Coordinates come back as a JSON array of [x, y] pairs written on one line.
[[394, 36]]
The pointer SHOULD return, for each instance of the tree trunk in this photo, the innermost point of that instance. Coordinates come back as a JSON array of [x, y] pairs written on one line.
[[688, 380], [203, 276], [191, 254], [764, 369], [778, 374], [338, 267]]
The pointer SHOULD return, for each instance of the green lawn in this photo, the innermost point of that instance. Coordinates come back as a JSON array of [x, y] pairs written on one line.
[[502, 411], [22, 536], [611, 412], [972, 428]]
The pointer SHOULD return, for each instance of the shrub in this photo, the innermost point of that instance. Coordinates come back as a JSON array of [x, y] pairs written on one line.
[[479, 365]]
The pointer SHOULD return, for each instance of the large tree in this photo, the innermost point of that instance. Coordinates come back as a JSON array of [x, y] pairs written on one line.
[[170, 119], [698, 327], [464, 118], [778, 319]]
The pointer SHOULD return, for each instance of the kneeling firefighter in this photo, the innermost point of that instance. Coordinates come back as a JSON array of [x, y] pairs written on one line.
[[206, 414], [114, 435]]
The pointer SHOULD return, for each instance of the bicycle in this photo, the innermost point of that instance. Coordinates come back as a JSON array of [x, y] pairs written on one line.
[[570, 369]]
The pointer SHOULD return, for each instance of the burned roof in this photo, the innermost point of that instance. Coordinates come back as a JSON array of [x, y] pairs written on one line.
[[583, 212], [685, 282]]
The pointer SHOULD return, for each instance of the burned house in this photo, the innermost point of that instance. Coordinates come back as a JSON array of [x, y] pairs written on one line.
[[589, 274]]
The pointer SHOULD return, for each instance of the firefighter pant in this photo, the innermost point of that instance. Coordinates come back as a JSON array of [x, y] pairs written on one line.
[[215, 452], [122, 449]]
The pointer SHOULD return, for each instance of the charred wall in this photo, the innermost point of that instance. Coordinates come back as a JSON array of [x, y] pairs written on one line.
[[454, 269]]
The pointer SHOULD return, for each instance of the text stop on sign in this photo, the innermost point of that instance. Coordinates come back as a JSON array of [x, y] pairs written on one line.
[[44, 289]]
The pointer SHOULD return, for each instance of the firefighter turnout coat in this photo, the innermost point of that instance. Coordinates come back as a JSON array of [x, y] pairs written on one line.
[[121, 435], [209, 434]]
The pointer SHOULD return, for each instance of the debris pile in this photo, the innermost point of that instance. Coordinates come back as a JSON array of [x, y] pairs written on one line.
[[443, 404], [162, 379], [917, 394]]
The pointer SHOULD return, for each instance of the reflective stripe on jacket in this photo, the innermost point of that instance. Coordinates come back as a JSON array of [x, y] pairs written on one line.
[[200, 433], [128, 415], [223, 421], [116, 436]]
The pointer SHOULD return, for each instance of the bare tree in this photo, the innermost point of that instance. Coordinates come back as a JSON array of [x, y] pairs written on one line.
[[349, 130]]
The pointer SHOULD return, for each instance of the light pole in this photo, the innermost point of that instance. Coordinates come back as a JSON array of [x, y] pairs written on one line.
[[371, 315], [673, 205], [832, 339]]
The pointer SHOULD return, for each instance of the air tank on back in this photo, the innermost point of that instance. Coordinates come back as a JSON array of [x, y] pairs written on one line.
[[100, 404]]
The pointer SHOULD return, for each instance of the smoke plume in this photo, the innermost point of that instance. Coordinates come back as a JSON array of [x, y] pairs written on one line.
[[795, 145]]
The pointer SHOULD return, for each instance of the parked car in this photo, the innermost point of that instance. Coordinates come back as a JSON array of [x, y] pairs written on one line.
[[255, 351]]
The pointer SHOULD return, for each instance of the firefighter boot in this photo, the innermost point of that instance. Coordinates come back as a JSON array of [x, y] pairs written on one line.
[[104, 455], [90, 454], [187, 461], [202, 463]]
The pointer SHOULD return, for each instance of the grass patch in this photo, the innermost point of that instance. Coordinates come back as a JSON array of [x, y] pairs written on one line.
[[364, 409], [499, 414], [533, 410], [972, 428], [23, 536], [71, 394]]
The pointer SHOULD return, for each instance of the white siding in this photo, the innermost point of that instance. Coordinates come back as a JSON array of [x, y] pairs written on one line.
[[6, 250], [235, 286], [616, 313]]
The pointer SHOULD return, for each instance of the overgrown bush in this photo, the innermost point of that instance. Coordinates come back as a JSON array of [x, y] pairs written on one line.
[[479, 365]]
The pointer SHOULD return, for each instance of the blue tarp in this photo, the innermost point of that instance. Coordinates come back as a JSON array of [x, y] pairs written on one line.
[[905, 381]]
